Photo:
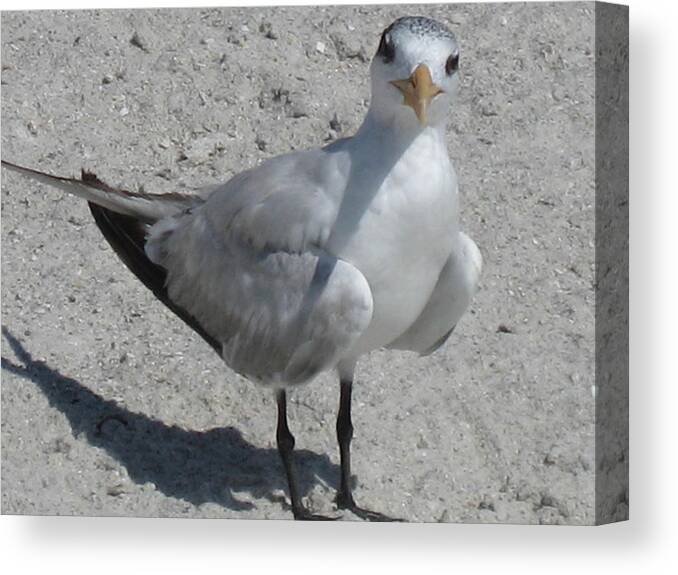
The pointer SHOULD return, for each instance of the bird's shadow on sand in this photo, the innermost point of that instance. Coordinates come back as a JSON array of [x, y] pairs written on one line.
[[196, 466]]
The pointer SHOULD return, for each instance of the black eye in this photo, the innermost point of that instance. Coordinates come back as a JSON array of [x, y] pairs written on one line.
[[386, 48], [452, 64]]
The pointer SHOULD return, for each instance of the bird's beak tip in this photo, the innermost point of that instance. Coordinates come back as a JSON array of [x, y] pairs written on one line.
[[418, 90]]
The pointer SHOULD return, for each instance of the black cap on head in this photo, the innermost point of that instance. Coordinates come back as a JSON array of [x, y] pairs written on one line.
[[413, 26]]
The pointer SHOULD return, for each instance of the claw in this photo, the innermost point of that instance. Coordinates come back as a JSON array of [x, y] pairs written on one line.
[[306, 515], [346, 501]]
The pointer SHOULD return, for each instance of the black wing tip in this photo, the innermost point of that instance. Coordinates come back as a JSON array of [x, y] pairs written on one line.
[[127, 236]]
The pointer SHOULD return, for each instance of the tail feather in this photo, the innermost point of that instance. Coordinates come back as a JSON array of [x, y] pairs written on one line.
[[124, 219], [146, 207]]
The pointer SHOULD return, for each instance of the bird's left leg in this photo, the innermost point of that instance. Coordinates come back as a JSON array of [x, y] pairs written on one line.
[[285, 441], [344, 435]]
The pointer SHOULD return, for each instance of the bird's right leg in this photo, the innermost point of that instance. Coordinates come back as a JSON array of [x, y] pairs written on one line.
[[285, 441], [344, 436]]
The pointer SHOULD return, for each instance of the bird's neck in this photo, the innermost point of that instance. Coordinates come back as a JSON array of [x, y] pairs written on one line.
[[396, 131]]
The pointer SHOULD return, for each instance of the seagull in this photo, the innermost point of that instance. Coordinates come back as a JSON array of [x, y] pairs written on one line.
[[312, 259]]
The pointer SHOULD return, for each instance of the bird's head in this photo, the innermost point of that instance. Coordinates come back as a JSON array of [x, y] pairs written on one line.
[[414, 72]]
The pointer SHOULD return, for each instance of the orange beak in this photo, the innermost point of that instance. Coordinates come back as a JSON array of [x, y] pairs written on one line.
[[418, 91]]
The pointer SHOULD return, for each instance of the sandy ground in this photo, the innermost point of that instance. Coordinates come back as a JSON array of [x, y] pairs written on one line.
[[111, 406]]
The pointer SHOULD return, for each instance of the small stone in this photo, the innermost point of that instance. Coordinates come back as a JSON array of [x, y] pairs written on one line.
[[523, 493], [348, 46], [203, 149], [505, 485], [335, 124], [124, 111], [107, 79], [111, 425], [296, 105], [116, 490], [320, 47], [549, 459], [260, 142], [558, 93], [488, 111], [165, 173], [549, 516], [137, 41], [266, 28], [563, 509], [504, 329], [235, 39], [584, 462], [62, 446]]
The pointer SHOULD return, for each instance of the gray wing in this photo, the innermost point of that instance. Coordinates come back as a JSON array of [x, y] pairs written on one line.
[[249, 266], [450, 298]]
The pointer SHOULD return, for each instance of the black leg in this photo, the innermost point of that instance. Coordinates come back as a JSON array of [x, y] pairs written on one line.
[[344, 435], [285, 441]]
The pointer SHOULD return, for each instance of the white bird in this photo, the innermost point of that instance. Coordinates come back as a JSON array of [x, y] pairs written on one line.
[[314, 258]]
